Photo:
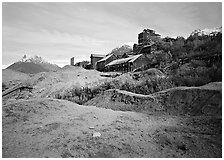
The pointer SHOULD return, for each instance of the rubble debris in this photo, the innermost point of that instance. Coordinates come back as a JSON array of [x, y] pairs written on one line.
[[96, 134]]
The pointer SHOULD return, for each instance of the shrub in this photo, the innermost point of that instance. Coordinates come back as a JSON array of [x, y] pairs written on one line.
[[148, 86], [196, 76]]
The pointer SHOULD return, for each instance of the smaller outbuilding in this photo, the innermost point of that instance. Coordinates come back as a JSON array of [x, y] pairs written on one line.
[[95, 58], [72, 61]]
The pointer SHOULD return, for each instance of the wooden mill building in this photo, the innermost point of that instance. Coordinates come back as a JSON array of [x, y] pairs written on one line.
[[140, 57], [100, 65], [95, 58], [128, 64], [146, 37]]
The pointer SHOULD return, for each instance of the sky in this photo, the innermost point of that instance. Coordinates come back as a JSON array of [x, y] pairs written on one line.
[[58, 31]]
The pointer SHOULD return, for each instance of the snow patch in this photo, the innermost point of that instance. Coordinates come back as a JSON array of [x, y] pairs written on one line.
[[33, 59]]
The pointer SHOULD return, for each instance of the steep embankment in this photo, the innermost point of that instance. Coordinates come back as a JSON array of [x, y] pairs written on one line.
[[204, 100]]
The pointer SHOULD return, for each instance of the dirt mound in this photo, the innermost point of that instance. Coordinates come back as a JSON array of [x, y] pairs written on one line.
[[47, 84], [27, 67], [71, 68], [204, 100], [137, 77]]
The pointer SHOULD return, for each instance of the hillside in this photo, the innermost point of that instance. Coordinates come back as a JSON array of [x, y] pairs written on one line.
[[48, 84], [27, 67], [32, 65], [173, 101]]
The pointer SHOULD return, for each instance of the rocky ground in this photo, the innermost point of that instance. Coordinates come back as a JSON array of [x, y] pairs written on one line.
[[179, 122]]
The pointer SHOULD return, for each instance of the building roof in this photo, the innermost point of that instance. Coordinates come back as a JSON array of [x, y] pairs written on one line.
[[124, 60], [135, 57], [151, 31], [105, 58], [97, 55], [156, 34]]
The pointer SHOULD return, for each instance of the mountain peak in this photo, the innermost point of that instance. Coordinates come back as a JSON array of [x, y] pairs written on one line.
[[33, 64], [34, 59]]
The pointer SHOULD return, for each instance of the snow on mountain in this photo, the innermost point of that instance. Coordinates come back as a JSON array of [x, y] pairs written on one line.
[[33, 64], [33, 59], [206, 31]]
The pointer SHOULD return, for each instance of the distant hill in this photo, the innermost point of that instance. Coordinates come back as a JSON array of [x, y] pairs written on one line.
[[32, 65]]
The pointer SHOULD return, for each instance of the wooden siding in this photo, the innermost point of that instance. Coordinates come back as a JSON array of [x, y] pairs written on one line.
[[130, 65], [100, 65]]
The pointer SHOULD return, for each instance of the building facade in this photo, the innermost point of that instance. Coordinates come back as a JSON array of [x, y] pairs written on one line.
[[100, 65], [146, 37], [72, 61], [95, 58], [128, 64], [82, 64], [147, 34]]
